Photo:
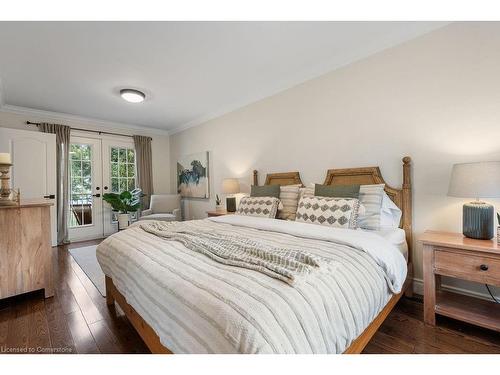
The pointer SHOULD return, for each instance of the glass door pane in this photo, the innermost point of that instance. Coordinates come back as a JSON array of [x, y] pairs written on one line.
[[85, 177], [80, 188]]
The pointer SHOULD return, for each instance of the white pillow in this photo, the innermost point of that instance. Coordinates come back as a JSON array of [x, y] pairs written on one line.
[[390, 214]]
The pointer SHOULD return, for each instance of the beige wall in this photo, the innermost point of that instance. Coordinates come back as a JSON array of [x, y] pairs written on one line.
[[160, 144], [436, 98]]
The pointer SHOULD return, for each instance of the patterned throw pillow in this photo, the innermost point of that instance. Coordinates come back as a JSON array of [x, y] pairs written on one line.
[[289, 197], [258, 206], [334, 212], [371, 197]]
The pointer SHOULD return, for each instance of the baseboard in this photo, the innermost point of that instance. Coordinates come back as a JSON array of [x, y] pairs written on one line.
[[418, 288]]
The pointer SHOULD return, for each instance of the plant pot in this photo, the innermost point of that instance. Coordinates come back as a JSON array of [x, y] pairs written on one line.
[[123, 221], [219, 208]]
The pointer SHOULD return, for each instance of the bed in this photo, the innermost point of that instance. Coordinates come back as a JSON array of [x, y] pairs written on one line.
[[183, 302]]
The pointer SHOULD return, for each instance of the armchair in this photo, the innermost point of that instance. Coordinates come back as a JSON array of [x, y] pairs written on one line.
[[164, 207]]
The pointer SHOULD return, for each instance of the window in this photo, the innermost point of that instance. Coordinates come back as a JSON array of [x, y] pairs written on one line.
[[122, 169], [80, 190], [122, 173]]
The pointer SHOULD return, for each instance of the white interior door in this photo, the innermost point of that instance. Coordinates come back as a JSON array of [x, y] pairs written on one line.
[[34, 171], [118, 174], [85, 217]]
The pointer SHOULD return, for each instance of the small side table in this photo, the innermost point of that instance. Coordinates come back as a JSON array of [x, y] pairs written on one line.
[[453, 255], [218, 213]]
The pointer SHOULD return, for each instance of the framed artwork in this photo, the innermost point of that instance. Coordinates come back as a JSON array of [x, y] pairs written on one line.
[[192, 176]]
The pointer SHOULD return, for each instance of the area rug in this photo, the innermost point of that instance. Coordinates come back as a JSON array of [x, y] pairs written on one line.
[[87, 260]]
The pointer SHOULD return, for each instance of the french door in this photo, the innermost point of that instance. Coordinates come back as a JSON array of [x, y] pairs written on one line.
[[97, 166]]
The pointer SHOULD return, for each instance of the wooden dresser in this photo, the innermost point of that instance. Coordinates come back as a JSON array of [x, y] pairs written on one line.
[[25, 248], [453, 255]]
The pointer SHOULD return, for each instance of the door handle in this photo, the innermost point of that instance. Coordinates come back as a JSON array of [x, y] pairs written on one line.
[[50, 196], [97, 195]]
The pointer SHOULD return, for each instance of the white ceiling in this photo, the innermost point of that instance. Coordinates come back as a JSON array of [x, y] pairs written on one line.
[[190, 71]]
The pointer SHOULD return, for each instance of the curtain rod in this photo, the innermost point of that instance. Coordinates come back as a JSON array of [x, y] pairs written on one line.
[[86, 130]]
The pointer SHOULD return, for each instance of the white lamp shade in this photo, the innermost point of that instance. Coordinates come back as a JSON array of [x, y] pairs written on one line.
[[475, 180], [230, 186]]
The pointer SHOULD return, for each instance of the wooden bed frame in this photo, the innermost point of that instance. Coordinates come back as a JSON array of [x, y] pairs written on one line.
[[362, 176]]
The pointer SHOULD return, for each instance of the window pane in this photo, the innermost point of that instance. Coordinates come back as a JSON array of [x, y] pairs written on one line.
[[131, 168], [114, 169], [123, 155], [86, 152], [74, 152], [87, 185], [123, 170], [76, 185], [123, 184], [131, 184], [114, 154], [115, 187], [86, 168], [131, 156], [76, 168]]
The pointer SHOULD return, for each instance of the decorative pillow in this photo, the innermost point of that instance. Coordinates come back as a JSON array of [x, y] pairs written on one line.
[[306, 191], [329, 211], [390, 214], [258, 206], [371, 197], [289, 197], [265, 191], [339, 191]]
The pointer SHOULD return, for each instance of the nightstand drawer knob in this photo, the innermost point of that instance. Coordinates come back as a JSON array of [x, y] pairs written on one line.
[[483, 267]]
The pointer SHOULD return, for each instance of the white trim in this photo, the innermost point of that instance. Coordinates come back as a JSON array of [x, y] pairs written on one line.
[[57, 116], [418, 288]]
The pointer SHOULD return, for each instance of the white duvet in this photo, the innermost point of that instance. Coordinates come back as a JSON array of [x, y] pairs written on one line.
[[197, 305]]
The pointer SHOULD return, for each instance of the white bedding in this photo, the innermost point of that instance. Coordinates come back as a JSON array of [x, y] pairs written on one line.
[[397, 237], [197, 305]]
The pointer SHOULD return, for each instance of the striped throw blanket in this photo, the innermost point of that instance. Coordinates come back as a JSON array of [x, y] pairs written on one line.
[[288, 264]]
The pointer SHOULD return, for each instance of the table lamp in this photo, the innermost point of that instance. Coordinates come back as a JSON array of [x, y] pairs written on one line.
[[230, 186], [477, 180]]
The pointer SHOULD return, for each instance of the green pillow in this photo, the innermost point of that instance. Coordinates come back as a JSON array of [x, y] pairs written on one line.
[[339, 191], [265, 191]]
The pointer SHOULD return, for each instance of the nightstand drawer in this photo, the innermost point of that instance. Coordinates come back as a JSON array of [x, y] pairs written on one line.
[[482, 269]]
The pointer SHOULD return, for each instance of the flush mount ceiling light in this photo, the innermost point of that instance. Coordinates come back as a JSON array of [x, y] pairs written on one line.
[[132, 96]]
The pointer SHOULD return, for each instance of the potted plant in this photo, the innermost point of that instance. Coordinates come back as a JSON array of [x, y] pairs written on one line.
[[124, 203]]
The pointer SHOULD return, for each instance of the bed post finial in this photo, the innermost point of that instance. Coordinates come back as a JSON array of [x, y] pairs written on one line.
[[255, 177]]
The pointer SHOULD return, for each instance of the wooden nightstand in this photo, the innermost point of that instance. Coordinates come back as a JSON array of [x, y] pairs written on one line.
[[453, 255], [218, 213]]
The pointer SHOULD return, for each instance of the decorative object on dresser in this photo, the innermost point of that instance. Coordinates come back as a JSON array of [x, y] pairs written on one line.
[[8, 197], [476, 180], [124, 203], [25, 248], [192, 176], [230, 186], [453, 255], [219, 207]]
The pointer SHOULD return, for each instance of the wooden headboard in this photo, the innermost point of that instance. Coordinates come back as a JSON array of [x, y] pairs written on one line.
[[371, 175], [284, 178]]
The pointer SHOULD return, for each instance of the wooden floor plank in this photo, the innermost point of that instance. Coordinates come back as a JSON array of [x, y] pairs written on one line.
[[17, 335], [82, 337], [60, 336], [39, 336]]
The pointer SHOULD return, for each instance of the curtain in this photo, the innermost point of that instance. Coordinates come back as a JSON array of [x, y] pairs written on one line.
[[144, 167], [62, 133]]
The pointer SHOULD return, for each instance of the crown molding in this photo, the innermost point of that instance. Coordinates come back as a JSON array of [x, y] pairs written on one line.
[[93, 122]]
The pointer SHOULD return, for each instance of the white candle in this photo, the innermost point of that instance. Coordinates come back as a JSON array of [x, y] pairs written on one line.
[[5, 158]]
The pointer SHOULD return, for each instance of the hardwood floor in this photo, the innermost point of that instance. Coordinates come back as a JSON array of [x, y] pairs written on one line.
[[77, 320]]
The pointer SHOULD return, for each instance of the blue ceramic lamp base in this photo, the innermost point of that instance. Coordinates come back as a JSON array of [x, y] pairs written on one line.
[[478, 220]]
